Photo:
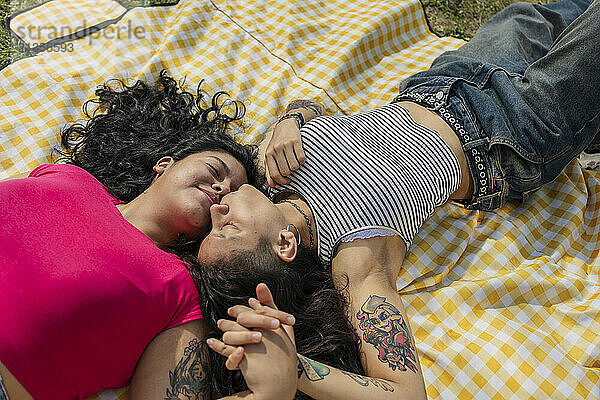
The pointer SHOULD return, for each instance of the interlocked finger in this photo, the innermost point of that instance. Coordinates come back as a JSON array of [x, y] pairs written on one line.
[[266, 317], [264, 296], [219, 347], [237, 310], [234, 354], [234, 359], [227, 325], [265, 299], [253, 319], [237, 338], [271, 311]]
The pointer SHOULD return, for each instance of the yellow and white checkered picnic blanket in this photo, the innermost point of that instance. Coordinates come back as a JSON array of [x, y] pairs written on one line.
[[503, 304]]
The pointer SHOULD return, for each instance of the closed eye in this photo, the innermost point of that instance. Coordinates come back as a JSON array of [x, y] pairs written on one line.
[[214, 171]]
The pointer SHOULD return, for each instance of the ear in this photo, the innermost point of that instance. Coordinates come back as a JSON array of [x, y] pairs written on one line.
[[162, 164], [286, 247]]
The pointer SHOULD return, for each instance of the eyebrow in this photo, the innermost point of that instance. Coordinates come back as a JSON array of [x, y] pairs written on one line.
[[223, 165]]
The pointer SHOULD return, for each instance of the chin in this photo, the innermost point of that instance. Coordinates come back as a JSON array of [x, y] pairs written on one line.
[[201, 256]]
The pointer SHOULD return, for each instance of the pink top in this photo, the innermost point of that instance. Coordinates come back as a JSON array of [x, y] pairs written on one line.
[[82, 291]]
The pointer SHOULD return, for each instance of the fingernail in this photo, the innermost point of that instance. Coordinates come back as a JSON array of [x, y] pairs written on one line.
[[290, 320], [229, 310], [252, 300], [274, 324], [238, 350], [210, 342], [256, 336], [219, 322]]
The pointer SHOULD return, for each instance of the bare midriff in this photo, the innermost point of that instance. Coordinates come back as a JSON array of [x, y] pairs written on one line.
[[434, 122], [14, 389]]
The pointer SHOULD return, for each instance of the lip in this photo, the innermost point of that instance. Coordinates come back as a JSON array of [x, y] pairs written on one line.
[[212, 198]]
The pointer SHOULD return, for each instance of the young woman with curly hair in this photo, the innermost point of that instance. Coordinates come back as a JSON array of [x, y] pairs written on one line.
[[91, 295]]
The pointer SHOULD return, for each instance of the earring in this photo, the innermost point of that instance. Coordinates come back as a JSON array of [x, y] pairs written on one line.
[[287, 228]]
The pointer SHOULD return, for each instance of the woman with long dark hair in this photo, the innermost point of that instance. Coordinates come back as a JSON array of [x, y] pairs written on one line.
[[487, 123]]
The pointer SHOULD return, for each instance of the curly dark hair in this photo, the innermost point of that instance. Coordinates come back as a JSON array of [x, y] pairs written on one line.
[[302, 287], [134, 126]]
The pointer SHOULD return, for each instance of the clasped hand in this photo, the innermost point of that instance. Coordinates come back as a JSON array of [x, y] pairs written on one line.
[[260, 342]]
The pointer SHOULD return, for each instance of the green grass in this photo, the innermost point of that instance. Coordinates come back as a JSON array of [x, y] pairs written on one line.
[[446, 18], [461, 18]]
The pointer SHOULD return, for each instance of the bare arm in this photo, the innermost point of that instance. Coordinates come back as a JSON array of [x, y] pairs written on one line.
[[389, 356], [173, 365], [324, 382], [388, 346]]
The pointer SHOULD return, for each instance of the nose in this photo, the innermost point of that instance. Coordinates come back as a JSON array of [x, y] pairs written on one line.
[[221, 188], [217, 210]]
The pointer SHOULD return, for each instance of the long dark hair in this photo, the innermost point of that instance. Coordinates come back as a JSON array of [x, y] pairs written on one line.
[[132, 127], [302, 287]]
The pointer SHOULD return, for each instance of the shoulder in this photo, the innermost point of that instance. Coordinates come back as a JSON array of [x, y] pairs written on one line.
[[71, 177], [58, 169], [381, 255], [180, 293]]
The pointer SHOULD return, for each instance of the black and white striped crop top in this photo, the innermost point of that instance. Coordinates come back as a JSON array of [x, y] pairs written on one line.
[[370, 170]]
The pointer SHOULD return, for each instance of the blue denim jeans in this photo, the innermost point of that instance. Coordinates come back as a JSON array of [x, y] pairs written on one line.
[[524, 94]]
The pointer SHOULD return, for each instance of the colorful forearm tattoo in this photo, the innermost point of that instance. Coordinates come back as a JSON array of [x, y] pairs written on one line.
[[313, 370], [384, 327], [188, 380], [365, 380], [315, 107]]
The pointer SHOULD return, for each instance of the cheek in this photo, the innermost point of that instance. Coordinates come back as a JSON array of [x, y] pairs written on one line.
[[240, 180], [193, 207], [193, 201], [205, 255], [238, 174], [210, 251], [264, 215], [197, 176]]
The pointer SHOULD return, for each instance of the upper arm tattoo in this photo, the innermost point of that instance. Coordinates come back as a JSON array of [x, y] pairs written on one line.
[[188, 380], [315, 107], [385, 328]]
